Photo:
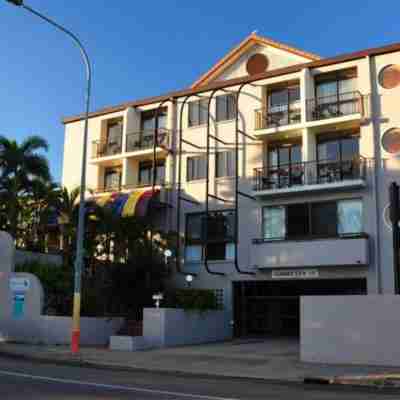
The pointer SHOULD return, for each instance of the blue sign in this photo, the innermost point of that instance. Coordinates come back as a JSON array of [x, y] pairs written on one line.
[[19, 305]]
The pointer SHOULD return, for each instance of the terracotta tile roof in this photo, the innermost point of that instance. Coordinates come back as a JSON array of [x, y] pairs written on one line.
[[239, 50], [247, 79]]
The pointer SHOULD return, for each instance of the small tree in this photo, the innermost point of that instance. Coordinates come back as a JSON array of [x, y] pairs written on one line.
[[21, 166]]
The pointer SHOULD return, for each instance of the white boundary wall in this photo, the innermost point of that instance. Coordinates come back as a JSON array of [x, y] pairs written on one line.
[[351, 329], [163, 327]]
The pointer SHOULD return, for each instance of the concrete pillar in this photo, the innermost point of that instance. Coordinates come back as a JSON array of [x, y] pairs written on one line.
[[306, 91], [309, 155], [131, 125]]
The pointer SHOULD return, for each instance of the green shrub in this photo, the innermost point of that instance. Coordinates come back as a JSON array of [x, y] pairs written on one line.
[[57, 284], [192, 299]]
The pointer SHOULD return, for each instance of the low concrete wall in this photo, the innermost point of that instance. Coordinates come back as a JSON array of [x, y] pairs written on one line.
[[57, 330], [22, 257], [164, 327], [351, 329]]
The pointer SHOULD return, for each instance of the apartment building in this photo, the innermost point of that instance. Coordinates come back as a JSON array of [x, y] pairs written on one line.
[[274, 167]]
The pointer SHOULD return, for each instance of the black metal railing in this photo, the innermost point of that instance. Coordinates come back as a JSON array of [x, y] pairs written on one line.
[[144, 139], [117, 187], [335, 106], [278, 115], [309, 173], [104, 149]]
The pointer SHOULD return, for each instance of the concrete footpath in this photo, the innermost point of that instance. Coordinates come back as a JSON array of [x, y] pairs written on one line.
[[274, 360]]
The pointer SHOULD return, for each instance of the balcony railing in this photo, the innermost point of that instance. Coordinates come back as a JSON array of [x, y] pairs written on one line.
[[335, 106], [309, 173], [103, 149], [138, 185], [278, 115], [144, 139]]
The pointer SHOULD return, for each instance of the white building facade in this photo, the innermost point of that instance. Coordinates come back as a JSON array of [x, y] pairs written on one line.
[[283, 152]]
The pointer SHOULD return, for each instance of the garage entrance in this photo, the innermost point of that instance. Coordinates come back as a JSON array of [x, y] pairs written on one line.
[[272, 308]]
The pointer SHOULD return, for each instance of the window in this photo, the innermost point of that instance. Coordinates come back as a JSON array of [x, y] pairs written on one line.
[[148, 119], [114, 137], [112, 178], [212, 237], [148, 124], [338, 157], [298, 220], [198, 112], [350, 216], [284, 105], [274, 225], [322, 219], [146, 173], [336, 93], [225, 107], [196, 168], [225, 163], [285, 166]]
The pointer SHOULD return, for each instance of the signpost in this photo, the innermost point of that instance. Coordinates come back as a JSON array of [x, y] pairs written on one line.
[[19, 287]]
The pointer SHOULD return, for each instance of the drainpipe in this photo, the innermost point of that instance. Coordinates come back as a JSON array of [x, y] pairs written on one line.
[[377, 190]]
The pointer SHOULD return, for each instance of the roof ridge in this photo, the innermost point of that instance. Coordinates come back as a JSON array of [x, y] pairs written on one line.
[[239, 49], [390, 48]]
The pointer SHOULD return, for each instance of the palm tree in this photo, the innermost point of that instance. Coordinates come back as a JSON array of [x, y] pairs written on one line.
[[21, 165], [67, 211]]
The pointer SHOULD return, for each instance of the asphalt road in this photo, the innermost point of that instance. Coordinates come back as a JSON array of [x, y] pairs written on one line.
[[26, 380]]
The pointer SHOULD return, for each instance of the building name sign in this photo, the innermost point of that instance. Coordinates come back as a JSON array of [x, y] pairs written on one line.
[[295, 274], [21, 285]]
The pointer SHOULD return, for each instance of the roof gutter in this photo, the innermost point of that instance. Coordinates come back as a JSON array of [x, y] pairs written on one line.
[[238, 81]]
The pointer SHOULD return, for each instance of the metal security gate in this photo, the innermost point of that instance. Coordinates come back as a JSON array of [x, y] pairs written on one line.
[[272, 308]]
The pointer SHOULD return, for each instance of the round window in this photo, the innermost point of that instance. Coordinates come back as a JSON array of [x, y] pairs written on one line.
[[391, 141], [257, 64], [389, 77]]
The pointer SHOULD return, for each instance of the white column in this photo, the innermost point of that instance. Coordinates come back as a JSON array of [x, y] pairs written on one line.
[[309, 155], [306, 91], [131, 125]]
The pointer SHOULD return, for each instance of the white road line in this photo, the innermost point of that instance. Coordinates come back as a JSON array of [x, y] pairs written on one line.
[[111, 387]]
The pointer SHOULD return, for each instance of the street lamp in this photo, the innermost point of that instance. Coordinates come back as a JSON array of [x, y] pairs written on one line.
[[75, 340], [189, 280]]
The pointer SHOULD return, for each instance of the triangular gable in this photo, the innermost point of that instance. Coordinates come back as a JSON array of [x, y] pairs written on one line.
[[275, 54]]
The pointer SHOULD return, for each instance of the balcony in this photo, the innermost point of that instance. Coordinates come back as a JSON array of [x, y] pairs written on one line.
[[310, 176], [144, 140], [349, 250], [117, 187], [278, 115], [338, 105], [103, 149]]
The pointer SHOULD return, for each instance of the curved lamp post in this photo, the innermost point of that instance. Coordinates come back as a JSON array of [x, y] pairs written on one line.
[[75, 340]]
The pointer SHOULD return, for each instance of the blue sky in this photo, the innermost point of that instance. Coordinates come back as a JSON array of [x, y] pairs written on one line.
[[146, 48]]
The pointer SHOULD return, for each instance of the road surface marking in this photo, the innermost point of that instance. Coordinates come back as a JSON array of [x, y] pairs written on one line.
[[111, 387]]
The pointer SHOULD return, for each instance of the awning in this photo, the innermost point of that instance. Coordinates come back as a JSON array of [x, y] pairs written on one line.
[[136, 203]]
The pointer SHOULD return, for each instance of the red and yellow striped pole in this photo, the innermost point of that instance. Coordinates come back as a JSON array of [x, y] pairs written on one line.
[[81, 219], [76, 324]]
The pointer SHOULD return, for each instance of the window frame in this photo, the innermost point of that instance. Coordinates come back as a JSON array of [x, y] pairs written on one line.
[[226, 241], [228, 111], [334, 77], [195, 177], [196, 107], [148, 165], [110, 171], [311, 235], [226, 161]]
